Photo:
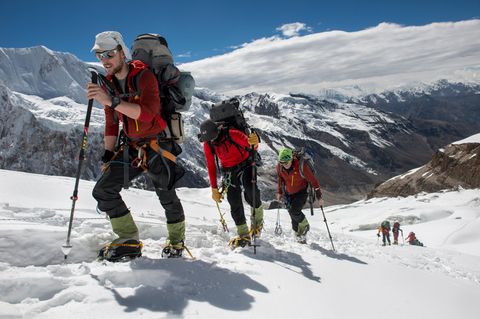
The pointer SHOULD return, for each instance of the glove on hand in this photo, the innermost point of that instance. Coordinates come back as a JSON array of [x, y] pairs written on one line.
[[107, 156], [378, 235], [253, 139], [216, 195], [318, 194]]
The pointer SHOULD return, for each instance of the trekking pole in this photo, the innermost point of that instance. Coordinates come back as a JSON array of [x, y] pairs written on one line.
[[254, 187], [222, 220], [311, 199], [278, 227], [325, 220], [403, 239], [68, 247]]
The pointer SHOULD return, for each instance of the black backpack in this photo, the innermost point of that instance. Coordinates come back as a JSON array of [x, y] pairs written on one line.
[[227, 114], [176, 87]]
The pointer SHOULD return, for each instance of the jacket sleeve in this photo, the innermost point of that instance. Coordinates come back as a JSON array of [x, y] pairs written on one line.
[[240, 138], [309, 176], [279, 181], [111, 126], [149, 97], [211, 165]]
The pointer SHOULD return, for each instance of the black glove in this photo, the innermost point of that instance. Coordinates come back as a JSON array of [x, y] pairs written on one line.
[[318, 194], [378, 235], [107, 156]]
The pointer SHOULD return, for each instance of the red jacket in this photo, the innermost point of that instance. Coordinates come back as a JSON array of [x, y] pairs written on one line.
[[293, 180], [150, 123], [229, 154]]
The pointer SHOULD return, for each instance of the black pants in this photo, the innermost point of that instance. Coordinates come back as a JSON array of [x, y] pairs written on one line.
[[108, 187], [240, 178], [386, 237], [296, 202]]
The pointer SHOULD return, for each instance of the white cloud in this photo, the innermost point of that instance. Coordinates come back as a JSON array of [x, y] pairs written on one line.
[[184, 55], [293, 29], [376, 58]]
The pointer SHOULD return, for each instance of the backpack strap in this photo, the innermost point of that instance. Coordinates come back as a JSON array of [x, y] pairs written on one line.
[[135, 82], [217, 162]]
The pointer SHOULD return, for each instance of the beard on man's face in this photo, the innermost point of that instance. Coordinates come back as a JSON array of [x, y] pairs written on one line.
[[117, 69]]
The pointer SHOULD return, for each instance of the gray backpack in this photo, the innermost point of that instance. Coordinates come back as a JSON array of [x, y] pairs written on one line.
[[176, 87]]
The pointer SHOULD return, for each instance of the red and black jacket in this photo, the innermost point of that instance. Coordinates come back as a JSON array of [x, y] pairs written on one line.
[[231, 149], [150, 123], [292, 178]]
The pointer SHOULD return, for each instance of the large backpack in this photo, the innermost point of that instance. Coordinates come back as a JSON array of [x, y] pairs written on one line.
[[386, 224], [304, 158], [227, 114], [175, 87]]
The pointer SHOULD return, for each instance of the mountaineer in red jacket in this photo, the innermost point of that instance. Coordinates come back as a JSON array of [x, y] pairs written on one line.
[[144, 147], [294, 177], [232, 149]]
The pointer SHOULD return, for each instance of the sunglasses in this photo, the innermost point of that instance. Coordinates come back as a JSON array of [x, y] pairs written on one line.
[[109, 54], [285, 161]]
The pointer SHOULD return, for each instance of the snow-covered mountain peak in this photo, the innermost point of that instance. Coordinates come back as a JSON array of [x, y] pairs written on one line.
[[43, 72]]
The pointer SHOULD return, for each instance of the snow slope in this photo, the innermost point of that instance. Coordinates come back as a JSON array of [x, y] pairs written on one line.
[[283, 280]]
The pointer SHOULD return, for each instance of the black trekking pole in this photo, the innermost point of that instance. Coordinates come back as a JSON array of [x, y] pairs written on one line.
[[68, 247], [278, 227], [311, 197], [254, 187], [325, 220]]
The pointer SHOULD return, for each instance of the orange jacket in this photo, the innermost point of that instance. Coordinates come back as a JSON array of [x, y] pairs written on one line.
[[293, 180]]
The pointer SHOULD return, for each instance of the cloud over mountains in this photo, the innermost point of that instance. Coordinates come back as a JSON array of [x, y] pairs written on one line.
[[377, 58]]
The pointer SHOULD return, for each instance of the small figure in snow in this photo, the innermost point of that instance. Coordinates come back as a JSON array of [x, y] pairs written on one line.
[[396, 230], [412, 240], [385, 230]]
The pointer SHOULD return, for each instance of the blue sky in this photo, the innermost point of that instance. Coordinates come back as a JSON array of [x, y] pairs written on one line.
[[200, 29]]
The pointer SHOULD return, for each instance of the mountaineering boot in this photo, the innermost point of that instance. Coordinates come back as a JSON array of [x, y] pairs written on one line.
[[175, 242], [126, 246], [240, 241], [121, 250], [173, 250], [301, 234], [257, 224], [243, 239]]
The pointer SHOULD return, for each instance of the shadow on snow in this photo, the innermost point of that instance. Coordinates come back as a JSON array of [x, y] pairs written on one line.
[[167, 286], [268, 252], [335, 255]]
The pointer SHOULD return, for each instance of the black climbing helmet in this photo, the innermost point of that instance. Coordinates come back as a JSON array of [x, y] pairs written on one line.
[[209, 131]]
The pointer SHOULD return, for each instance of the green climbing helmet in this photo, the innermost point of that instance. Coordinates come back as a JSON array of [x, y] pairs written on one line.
[[285, 155]]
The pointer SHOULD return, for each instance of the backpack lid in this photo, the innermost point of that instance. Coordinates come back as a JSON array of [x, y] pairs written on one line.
[[228, 114], [153, 50]]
